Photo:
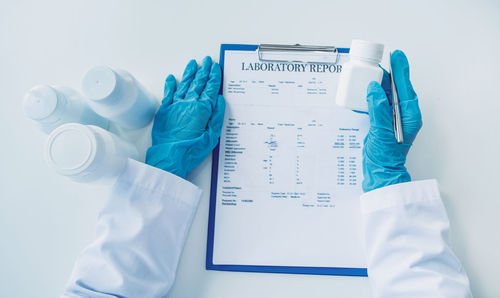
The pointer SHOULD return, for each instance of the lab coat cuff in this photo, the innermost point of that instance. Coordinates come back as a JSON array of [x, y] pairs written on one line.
[[154, 179], [400, 194]]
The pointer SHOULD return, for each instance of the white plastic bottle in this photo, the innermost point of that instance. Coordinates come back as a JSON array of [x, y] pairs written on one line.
[[118, 96], [87, 153], [358, 72], [50, 107]]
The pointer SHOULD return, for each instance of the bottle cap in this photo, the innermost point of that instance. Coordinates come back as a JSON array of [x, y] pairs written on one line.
[[40, 102], [367, 50], [99, 83], [71, 149]]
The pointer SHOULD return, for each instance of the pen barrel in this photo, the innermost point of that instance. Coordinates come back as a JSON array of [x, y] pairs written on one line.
[[396, 111]]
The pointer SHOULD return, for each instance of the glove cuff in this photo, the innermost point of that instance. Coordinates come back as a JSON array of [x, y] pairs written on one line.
[[376, 176], [168, 157]]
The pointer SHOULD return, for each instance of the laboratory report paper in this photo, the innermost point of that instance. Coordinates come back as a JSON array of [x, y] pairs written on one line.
[[289, 167]]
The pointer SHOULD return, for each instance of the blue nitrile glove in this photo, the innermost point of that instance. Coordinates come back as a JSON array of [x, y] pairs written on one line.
[[383, 158], [188, 123]]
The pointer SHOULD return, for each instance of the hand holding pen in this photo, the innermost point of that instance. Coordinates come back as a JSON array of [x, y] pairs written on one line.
[[384, 156]]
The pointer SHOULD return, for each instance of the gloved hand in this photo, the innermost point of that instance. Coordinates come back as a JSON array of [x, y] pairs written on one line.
[[188, 123], [383, 158]]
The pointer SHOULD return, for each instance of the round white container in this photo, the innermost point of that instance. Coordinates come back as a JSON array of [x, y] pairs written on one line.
[[357, 73], [87, 153], [50, 107], [118, 96]]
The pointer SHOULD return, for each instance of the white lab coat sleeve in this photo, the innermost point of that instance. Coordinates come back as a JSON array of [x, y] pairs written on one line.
[[406, 232], [140, 236]]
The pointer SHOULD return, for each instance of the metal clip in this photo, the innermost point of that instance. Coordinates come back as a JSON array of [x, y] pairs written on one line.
[[313, 54]]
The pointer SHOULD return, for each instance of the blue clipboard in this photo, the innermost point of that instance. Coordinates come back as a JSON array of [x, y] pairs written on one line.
[[211, 217]]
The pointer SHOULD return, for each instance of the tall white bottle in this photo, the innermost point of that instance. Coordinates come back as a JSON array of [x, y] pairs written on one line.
[[358, 72], [118, 96], [50, 107], [87, 153]]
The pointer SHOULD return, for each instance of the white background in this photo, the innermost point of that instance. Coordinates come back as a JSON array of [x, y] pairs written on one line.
[[453, 48]]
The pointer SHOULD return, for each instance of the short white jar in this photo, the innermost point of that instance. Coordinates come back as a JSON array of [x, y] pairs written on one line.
[[118, 96], [358, 72], [50, 107], [87, 153]]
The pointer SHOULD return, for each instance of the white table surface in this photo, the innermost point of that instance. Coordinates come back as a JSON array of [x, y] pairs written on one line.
[[453, 48]]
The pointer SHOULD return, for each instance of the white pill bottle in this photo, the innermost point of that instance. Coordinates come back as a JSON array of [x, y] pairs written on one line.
[[50, 107], [118, 96], [87, 153], [358, 72]]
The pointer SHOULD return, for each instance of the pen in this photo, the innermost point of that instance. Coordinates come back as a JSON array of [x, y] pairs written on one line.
[[396, 112]]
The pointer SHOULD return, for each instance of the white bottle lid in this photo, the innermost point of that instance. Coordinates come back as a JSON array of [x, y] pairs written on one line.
[[71, 149], [367, 50], [99, 83], [40, 102]]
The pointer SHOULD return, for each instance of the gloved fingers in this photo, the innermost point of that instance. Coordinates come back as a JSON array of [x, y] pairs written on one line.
[[411, 117], [213, 85], [401, 73], [169, 90], [386, 85], [200, 79], [187, 78], [379, 110], [168, 96], [215, 122]]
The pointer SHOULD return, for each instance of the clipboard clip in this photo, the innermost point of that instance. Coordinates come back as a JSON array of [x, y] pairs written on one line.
[[298, 53]]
